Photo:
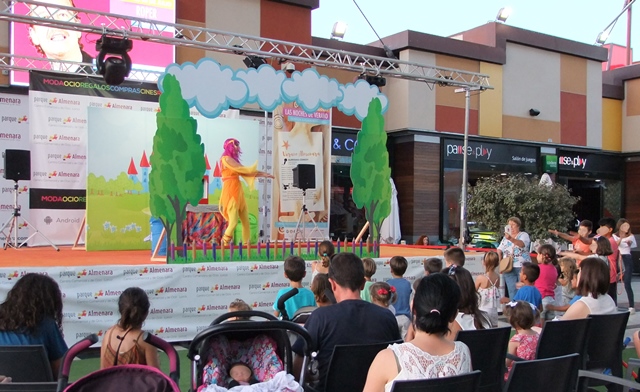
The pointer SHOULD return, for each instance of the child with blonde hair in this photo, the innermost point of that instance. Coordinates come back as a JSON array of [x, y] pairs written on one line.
[[488, 287], [522, 316], [384, 295]]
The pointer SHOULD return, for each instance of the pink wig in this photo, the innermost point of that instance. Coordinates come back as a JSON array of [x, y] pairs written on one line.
[[230, 150]]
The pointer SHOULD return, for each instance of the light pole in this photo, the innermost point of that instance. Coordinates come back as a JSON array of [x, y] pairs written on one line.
[[463, 197]]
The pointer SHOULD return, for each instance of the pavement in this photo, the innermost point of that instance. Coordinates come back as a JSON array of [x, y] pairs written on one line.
[[633, 324]]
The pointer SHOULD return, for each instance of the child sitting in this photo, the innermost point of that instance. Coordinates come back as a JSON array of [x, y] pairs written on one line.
[[241, 374], [523, 344], [295, 271], [568, 279], [326, 250], [369, 271], [488, 287], [432, 265], [528, 292], [398, 266], [321, 287], [546, 282], [126, 335], [238, 305], [383, 295]]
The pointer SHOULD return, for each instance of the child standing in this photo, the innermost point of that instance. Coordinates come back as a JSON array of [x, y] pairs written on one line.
[[326, 250], [294, 270], [523, 344], [126, 335], [454, 256], [383, 295], [488, 287], [432, 265], [369, 270], [546, 282], [403, 290], [580, 240], [528, 292]]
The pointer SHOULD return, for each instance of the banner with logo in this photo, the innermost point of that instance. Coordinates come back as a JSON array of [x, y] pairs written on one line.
[[301, 138], [14, 135], [184, 298], [58, 133]]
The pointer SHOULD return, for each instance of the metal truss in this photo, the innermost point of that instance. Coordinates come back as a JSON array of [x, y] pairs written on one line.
[[26, 63], [219, 41]]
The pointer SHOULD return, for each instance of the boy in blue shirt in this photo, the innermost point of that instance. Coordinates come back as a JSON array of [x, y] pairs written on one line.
[[295, 270], [403, 291], [529, 273]]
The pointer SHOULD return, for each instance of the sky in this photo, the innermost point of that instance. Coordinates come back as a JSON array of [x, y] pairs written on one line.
[[571, 19]]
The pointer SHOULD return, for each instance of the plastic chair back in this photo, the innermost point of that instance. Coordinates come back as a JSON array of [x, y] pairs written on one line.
[[604, 342], [467, 382], [349, 366], [488, 349], [548, 375], [25, 363]]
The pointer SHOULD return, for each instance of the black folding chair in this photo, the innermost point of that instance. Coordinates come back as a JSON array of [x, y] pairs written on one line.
[[25, 363], [467, 382], [349, 366], [604, 345], [544, 375], [488, 349]]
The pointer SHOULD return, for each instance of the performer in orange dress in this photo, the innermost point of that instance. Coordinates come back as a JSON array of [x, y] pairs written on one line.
[[233, 206]]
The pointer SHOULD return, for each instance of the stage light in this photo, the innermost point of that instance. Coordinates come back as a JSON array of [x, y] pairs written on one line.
[[253, 61], [117, 67], [503, 14], [534, 112], [374, 80], [339, 30]]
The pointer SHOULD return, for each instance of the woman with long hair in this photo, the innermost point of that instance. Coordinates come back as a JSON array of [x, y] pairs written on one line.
[[593, 285], [126, 335], [32, 315], [626, 241], [469, 314]]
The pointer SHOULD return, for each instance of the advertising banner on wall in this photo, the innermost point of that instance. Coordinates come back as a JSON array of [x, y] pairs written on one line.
[[59, 139], [14, 135], [301, 138], [71, 45], [184, 298]]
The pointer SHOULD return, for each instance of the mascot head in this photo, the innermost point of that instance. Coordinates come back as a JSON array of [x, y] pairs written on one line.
[[231, 149]]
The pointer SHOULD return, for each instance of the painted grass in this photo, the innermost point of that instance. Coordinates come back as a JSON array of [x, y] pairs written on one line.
[[117, 222]]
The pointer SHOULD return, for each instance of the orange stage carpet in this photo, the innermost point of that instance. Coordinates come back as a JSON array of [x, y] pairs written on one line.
[[66, 257]]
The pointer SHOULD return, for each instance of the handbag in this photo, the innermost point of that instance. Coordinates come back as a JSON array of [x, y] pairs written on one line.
[[506, 264]]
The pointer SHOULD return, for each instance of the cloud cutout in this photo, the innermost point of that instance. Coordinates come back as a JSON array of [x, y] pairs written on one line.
[[311, 90], [208, 86], [356, 98], [264, 85]]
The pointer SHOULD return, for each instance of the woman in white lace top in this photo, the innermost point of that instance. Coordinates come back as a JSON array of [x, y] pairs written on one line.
[[430, 354]]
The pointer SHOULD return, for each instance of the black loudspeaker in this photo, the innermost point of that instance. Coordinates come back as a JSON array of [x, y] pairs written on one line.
[[304, 177], [17, 165]]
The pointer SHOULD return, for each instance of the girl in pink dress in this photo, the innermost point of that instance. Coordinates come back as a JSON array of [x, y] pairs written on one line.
[[522, 316]]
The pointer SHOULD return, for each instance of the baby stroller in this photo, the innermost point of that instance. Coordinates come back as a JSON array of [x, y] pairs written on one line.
[[263, 345], [301, 315], [123, 377]]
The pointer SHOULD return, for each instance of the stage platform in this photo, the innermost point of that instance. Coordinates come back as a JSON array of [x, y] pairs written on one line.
[[46, 256]]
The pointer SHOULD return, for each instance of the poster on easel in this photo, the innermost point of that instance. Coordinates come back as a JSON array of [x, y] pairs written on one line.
[[301, 139]]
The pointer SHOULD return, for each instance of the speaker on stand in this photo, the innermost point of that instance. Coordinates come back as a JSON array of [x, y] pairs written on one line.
[[304, 177], [17, 167]]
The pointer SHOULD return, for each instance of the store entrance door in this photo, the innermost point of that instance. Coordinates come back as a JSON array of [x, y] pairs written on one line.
[[591, 200]]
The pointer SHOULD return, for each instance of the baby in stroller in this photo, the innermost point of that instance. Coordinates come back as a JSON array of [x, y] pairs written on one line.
[[245, 355]]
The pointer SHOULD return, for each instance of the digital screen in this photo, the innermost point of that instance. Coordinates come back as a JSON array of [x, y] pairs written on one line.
[[59, 44]]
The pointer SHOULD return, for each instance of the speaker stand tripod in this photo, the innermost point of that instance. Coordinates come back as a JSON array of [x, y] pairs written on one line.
[[304, 212], [14, 223]]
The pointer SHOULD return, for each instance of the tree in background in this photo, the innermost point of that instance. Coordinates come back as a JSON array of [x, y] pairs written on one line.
[[370, 171], [540, 207], [177, 160]]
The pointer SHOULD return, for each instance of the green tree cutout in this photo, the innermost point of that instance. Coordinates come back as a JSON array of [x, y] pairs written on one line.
[[177, 160], [540, 207], [370, 171]]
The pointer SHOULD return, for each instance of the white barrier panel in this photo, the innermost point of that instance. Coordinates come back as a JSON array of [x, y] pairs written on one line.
[[185, 298]]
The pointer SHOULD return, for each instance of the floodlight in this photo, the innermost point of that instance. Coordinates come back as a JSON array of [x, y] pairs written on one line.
[[503, 14], [117, 67]]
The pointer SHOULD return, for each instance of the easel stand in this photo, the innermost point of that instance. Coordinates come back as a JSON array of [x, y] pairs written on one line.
[[304, 212], [14, 223]]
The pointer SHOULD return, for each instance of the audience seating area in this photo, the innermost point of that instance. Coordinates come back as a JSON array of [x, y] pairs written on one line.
[[571, 356]]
